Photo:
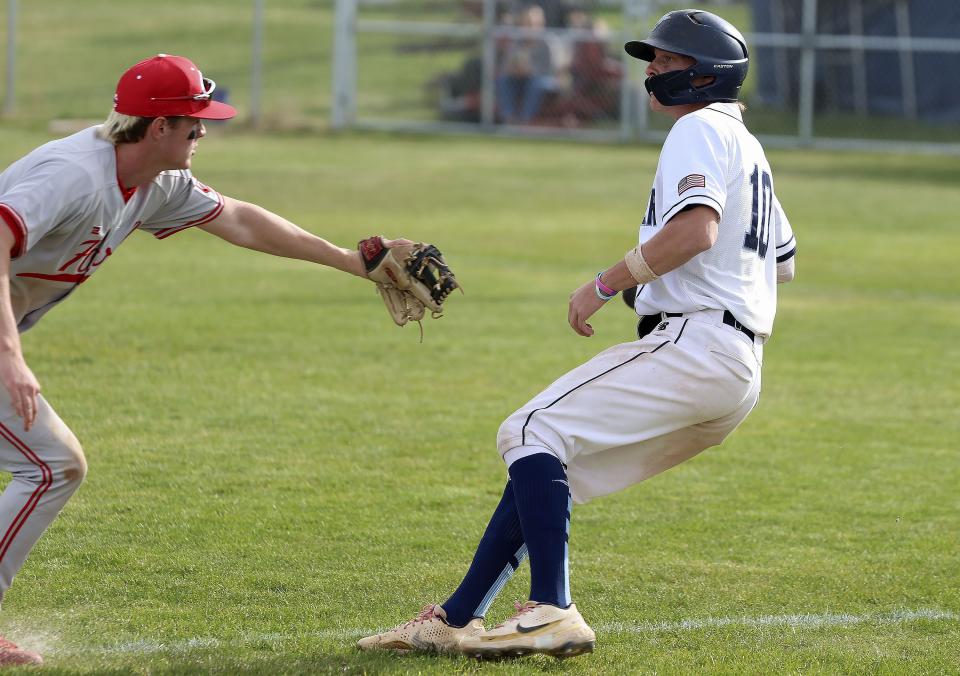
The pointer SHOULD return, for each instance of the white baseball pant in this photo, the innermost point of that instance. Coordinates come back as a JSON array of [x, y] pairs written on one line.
[[639, 408], [47, 465]]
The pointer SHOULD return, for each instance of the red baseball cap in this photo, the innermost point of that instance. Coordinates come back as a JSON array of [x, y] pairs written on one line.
[[167, 86]]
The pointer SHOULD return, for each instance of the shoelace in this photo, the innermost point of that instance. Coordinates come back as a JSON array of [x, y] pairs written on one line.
[[521, 608], [428, 612]]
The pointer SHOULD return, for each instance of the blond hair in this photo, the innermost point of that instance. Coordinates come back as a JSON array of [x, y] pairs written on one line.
[[119, 128]]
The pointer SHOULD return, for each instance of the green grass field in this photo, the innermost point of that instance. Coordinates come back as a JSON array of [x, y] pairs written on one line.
[[275, 468]]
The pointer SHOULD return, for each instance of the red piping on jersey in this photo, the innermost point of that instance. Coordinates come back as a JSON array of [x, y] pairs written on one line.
[[74, 279], [45, 482], [126, 193], [17, 227], [212, 214]]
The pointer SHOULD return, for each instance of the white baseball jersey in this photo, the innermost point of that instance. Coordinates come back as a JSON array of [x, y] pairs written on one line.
[[710, 158], [68, 212]]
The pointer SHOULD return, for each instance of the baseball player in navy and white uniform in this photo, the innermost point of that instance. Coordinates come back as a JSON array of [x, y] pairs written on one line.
[[714, 242], [65, 208]]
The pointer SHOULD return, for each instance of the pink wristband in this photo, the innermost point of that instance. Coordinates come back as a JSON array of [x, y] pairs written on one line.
[[603, 288]]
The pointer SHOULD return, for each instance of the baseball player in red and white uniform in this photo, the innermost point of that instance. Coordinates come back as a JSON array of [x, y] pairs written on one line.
[[65, 208], [714, 243]]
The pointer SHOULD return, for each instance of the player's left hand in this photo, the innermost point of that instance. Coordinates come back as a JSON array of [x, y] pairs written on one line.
[[412, 277], [583, 303]]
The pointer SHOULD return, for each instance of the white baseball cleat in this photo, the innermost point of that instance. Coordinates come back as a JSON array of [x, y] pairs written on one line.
[[536, 628], [427, 632]]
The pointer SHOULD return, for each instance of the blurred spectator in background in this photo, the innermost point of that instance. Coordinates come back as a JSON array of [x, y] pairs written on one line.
[[525, 70], [554, 11], [557, 77], [594, 77]]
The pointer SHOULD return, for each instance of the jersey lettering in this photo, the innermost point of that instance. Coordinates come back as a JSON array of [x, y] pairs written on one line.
[[90, 256], [651, 216], [758, 237]]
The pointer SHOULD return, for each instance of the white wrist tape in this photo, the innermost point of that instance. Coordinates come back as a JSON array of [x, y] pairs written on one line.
[[638, 267]]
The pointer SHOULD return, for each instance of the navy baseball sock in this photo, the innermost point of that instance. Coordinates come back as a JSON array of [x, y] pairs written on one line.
[[542, 494], [499, 554]]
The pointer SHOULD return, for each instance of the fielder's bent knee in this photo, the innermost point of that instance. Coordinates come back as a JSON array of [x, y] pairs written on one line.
[[73, 465]]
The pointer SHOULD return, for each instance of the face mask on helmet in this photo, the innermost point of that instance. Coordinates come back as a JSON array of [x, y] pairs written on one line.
[[676, 88]]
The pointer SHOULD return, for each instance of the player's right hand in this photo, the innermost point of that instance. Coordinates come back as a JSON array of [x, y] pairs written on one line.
[[22, 386], [583, 304]]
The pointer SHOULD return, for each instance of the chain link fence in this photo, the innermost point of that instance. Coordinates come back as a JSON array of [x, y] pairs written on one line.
[[864, 74]]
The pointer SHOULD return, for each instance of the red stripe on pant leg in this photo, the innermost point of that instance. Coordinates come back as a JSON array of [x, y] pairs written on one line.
[[34, 499], [31, 504], [28, 508], [26, 450], [15, 441]]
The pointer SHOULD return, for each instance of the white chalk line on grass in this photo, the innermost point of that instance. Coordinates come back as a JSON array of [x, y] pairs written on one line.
[[806, 621], [792, 621]]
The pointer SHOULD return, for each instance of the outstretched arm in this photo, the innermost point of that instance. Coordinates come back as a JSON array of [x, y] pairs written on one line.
[[253, 227], [19, 381]]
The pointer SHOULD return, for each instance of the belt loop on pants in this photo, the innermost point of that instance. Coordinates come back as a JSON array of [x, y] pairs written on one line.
[[730, 320]]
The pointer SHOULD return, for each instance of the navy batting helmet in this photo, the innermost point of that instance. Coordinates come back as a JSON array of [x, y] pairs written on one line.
[[718, 48]]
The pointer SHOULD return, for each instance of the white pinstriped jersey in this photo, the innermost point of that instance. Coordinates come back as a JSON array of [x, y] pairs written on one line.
[[710, 158], [68, 214]]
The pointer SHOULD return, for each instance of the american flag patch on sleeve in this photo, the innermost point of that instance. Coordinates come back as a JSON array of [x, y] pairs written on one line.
[[691, 181]]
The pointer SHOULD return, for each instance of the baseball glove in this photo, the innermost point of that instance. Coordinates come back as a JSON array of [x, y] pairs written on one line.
[[411, 278]]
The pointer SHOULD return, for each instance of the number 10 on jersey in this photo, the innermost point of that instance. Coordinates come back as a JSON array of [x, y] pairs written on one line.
[[759, 235]]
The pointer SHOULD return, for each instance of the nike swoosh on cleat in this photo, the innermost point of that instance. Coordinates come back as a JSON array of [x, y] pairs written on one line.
[[561, 481], [527, 630]]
